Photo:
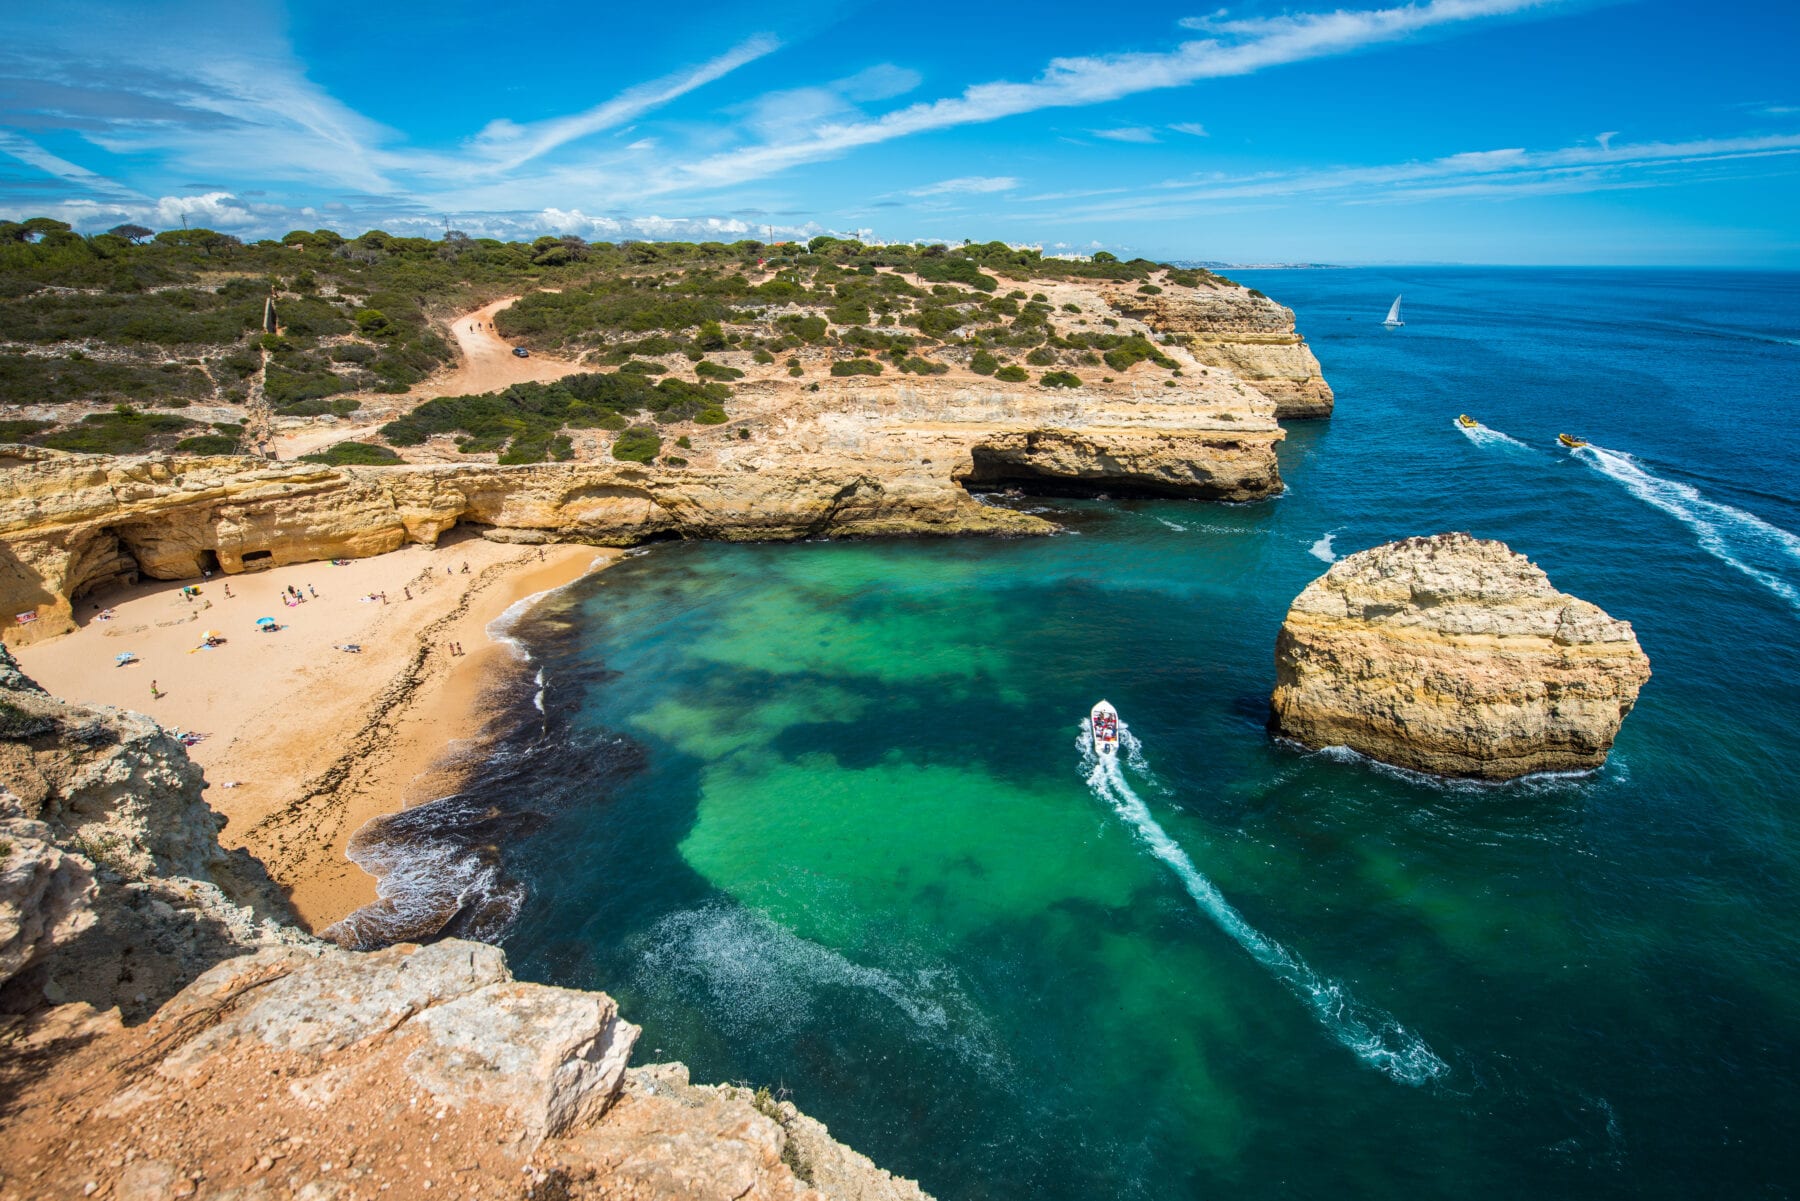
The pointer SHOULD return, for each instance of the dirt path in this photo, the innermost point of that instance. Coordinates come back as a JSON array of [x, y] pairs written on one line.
[[488, 365]]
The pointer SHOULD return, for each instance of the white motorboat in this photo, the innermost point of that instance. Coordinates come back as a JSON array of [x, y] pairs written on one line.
[[1104, 721]]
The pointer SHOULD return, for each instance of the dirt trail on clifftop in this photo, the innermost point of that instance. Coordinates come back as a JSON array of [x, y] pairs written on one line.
[[488, 365]]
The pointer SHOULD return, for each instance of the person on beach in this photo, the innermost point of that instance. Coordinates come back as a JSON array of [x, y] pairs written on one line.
[[406, 590], [465, 568], [155, 693], [228, 591], [313, 591], [384, 598]]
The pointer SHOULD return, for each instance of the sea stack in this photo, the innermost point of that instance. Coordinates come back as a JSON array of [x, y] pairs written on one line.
[[1454, 655]]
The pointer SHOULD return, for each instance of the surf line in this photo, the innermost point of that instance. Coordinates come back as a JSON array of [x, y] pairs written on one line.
[[1724, 532], [1373, 1036]]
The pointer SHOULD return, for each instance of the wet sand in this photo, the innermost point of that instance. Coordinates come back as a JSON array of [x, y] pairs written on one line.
[[304, 742]]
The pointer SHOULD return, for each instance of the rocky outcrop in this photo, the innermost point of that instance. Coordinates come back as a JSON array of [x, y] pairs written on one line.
[[1243, 332], [280, 1066], [113, 860], [409, 1072], [862, 458], [1456, 656]]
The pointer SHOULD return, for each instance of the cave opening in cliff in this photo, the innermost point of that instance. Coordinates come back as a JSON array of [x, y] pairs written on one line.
[[257, 560], [997, 471], [209, 562]]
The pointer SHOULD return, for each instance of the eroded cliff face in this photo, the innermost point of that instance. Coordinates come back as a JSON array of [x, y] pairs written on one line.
[[1241, 332], [1455, 656], [163, 1035], [857, 458]]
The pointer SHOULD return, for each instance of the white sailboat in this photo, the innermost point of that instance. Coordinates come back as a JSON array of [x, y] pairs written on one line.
[[1393, 318]]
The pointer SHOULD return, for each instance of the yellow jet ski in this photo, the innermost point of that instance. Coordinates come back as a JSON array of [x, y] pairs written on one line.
[[1468, 422], [1570, 441]]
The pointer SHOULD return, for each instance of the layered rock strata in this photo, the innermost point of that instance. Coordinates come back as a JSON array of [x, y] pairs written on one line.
[[1456, 656], [1241, 331], [860, 459]]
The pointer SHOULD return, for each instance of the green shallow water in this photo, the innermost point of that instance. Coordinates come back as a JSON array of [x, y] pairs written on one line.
[[818, 816]]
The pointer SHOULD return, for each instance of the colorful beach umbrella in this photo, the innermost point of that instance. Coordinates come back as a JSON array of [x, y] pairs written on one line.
[[265, 621], [124, 658]]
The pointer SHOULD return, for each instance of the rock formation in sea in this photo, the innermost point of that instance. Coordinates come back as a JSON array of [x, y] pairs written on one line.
[[164, 1034], [1456, 656], [1241, 331]]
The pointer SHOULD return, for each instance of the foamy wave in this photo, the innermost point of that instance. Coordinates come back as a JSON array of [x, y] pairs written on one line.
[[1729, 534], [1173, 525], [1322, 548], [759, 976], [1372, 1035]]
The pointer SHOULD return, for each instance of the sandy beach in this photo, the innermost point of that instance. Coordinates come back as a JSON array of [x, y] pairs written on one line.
[[304, 742]]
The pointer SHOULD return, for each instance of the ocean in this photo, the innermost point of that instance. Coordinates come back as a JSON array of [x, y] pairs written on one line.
[[820, 817]]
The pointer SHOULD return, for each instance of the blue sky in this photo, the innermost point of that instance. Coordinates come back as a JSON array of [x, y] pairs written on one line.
[[1481, 131]]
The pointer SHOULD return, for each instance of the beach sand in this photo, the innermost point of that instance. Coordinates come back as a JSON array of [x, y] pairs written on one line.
[[304, 743]]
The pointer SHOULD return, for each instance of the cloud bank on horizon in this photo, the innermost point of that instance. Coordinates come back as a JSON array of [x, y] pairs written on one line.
[[1455, 130]]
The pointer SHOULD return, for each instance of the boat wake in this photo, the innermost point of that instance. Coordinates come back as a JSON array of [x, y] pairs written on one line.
[[1375, 1037], [1731, 535], [1173, 525], [1481, 435]]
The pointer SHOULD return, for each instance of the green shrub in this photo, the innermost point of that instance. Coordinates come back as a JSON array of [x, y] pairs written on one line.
[[711, 417], [1071, 308], [1136, 350], [675, 461], [956, 271], [121, 432], [354, 454], [983, 363], [711, 370], [18, 430], [1012, 373], [1060, 379], [638, 444], [208, 444], [763, 357], [795, 372], [1043, 356], [856, 367], [1150, 289], [920, 365], [684, 443], [639, 367]]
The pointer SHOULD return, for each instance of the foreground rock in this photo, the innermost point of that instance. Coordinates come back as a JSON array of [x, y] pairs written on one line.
[[410, 1072], [163, 1034], [1453, 655], [114, 890]]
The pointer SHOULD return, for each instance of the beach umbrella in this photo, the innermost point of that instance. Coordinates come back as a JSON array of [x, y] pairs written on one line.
[[265, 621], [212, 634], [124, 658]]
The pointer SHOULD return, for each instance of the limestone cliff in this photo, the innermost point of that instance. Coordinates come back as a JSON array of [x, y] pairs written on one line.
[[1243, 332], [860, 458], [1456, 656], [113, 860], [162, 1034]]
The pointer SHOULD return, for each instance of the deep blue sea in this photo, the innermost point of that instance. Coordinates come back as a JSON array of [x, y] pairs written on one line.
[[818, 815]]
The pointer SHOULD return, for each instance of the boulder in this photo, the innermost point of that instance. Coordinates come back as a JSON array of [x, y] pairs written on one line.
[[1454, 655]]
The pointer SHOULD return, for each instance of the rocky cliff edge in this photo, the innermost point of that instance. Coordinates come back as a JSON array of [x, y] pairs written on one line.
[[164, 1034]]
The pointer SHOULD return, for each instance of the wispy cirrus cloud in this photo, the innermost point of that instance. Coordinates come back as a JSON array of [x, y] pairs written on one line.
[[1141, 135], [967, 183], [1233, 48], [1602, 165], [1192, 128], [510, 145]]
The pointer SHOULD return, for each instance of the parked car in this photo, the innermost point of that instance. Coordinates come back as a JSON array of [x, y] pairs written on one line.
[[519, 352]]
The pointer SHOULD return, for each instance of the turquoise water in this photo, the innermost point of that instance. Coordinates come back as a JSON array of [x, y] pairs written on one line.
[[818, 814]]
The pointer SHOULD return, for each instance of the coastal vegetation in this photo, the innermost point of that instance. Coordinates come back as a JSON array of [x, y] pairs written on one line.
[[663, 330]]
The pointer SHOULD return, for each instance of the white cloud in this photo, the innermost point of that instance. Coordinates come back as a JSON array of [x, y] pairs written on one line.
[[511, 145], [1486, 174], [1140, 134], [1191, 128], [968, 183], [1238, 48]]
